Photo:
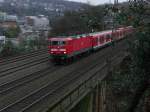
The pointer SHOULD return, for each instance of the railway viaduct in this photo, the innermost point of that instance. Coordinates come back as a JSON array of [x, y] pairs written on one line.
[[79, 87], [89, 95]]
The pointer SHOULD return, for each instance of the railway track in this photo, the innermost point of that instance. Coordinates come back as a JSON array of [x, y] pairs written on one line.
[[46, 89], [38, 95], [4, 61], [8, 86], [11, 70], [4, 87]]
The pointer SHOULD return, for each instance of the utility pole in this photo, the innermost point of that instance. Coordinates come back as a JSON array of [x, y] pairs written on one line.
[[109, 1], [114, 27], [114, 13], [116, 2]]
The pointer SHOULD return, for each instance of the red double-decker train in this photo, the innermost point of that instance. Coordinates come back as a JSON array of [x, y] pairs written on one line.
[[64, 49]]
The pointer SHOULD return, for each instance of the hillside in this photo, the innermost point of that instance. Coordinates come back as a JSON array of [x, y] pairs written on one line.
[[51, 8]]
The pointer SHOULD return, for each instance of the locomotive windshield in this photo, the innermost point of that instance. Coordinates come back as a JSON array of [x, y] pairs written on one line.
[[58, 42]]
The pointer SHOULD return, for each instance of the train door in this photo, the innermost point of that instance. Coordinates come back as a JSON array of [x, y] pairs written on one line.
[[108, 37], [121, 33], [69, 46], [98, 41], [117, 35], [95, 42], [101, 39]]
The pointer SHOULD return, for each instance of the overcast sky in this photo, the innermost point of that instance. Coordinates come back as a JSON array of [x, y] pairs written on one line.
[[97, 2]]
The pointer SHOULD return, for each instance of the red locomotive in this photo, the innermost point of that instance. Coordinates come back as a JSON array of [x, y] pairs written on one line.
[[66, 48]]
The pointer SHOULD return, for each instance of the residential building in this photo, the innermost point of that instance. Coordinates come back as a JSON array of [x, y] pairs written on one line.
[[3, 16], [8, 24], [38, 22]]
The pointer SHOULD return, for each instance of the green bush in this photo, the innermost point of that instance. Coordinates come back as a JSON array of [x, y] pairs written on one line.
[[8, 49], [12, 32]]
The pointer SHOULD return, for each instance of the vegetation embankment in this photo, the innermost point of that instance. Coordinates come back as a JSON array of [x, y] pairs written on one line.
[[130, 82], [127, 87]]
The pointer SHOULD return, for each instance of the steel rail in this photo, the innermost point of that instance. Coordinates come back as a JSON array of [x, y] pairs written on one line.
[[23, 66], [4, 61], [8, 86]]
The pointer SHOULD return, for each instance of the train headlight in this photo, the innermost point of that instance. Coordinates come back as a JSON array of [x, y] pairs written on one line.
[[64, 52], [53, 49]]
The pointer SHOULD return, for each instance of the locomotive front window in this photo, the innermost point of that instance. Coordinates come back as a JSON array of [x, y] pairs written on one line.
[[54, 42], [62, 42], [58, 42]]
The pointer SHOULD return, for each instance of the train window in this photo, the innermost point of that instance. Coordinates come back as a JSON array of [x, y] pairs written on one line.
[[54, 42], [108, 36], [62, 42], [58, 42]]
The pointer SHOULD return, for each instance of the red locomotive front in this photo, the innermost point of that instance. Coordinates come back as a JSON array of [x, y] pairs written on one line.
[[59, 47], [66, 48]]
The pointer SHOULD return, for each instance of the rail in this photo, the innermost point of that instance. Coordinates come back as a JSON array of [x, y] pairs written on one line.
[[81, 90]]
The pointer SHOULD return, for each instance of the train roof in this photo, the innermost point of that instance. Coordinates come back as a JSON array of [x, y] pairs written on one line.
[[65, 38], [60, 39], [100, 33], [80, 35]]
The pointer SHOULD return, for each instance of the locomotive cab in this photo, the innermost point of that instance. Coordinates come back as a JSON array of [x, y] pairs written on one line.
[[59, 48]]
